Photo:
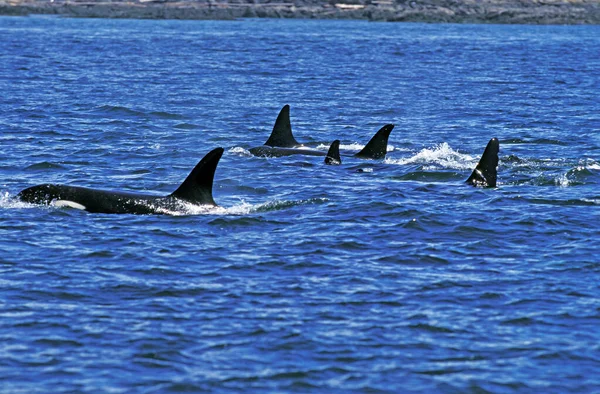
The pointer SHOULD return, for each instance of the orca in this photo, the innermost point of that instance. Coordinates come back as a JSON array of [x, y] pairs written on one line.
[[281, 142], [196, 189], [485, 173]]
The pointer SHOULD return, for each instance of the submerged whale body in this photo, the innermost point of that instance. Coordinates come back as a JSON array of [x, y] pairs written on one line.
[[281, 142], [196, 189], [486, 171]]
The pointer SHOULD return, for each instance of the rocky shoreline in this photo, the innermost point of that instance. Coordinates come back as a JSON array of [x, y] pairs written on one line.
[[434, 11]]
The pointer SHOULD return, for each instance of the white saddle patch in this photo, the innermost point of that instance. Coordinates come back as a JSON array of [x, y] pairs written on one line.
[[67, 204]]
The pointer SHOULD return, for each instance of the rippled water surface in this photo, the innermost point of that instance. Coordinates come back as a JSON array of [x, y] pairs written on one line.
[[373, 276]]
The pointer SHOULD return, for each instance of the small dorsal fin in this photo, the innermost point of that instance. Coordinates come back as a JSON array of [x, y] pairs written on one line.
[[197, 187], [282, 136], [333, 154], [485, 173], [377, 147]]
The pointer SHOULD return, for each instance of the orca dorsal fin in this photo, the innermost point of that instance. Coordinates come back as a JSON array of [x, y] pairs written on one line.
[[333, 154], [197, 187], [377, 147], [485, 173], [282, 136]]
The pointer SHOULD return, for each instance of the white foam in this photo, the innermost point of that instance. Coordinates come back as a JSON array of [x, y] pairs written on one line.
[[7, 201], [238, 150], [591, 200], [562, 180], [441, 155], [241, 209], [591, 164], [189, 209]]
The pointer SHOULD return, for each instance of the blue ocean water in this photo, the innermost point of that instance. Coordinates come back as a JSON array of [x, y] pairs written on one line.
[[373, 276]]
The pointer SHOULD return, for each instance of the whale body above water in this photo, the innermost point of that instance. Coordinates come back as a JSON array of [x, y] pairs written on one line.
[[196, 189]]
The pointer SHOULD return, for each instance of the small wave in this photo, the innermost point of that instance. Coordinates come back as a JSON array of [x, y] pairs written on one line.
[[519, 321], [513, 159], [570, 202], [574, 177], [441, 155], [45, 165], [166, 115], [186, 126], [115, 109], [541, 141], [125, 111], [430, 176], [431, 328]]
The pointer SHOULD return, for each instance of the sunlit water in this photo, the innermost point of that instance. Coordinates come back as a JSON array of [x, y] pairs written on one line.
[[372, 276]]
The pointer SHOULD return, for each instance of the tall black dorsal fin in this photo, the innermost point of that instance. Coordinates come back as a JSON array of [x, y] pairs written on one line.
[[281, 136], [197, 187], [485, 173], [377, 147], [333, 154]]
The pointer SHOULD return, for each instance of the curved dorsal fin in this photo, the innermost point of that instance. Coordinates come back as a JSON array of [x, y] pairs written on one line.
[[333, 154], [377, 147], [281, 136], [485, 173], [197, 187]]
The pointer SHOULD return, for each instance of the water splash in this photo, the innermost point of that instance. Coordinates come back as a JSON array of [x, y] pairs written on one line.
[[11, 202], [441, 155], [590, 164], [595, 201], [562, 180], [239, 151], [241, 209], [576, 176]]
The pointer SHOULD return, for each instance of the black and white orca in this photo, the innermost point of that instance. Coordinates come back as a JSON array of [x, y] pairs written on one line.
[[196, 189], [281, 142]]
